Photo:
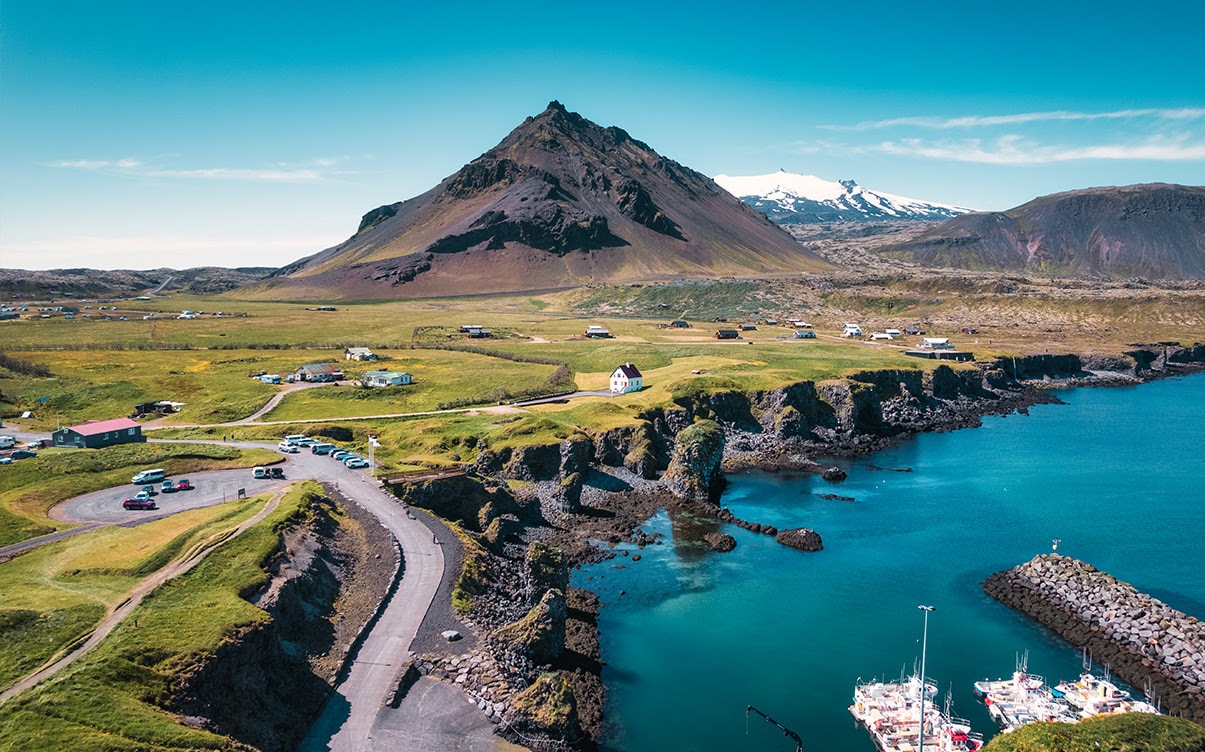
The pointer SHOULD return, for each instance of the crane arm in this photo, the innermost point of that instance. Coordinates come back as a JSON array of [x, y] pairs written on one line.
[[785, 731]]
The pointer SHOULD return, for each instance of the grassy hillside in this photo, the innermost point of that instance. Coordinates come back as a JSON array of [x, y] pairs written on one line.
[[117, 697], [1132, 732]]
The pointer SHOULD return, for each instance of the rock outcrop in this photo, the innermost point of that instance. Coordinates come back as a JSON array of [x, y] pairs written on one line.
[[694, 472], [719, 542], [802, 538]]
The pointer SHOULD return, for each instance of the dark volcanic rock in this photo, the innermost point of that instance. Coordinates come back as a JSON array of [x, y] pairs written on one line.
[[721, 542], [802, 538], [694, 472], [833, 475]]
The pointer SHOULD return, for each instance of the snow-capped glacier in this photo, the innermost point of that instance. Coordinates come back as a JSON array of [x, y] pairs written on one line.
[[789, 198]]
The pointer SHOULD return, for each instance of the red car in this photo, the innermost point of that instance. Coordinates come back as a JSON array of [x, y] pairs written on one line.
[[139, 504], [183, 485]]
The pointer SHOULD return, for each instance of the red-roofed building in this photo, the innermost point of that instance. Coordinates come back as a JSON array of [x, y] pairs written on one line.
[[99, 433], [626, 378]]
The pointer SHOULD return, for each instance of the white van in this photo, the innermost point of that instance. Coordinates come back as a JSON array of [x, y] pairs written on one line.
[[293, 438], [260, 472], [8, 442], [149, 476]]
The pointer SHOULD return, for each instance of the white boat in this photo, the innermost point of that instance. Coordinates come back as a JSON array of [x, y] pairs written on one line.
[[1092, 695], [891, 713], [1022, 699]]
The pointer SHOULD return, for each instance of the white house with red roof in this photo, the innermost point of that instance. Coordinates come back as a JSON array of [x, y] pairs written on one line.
[[99, 433], [626, 378]]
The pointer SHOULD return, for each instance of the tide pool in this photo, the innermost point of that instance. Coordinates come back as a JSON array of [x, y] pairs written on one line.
[[697, 636]]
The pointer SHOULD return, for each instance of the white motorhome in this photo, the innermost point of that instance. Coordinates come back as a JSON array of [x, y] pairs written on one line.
[[852, 330]]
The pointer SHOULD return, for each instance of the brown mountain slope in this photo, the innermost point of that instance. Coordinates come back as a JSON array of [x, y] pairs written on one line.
[[1155, 230], [559, 202]]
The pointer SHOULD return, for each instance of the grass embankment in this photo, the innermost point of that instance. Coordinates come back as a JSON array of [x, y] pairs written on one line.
[[29, 488], [1131, 732], [56, 593], [118, 697]]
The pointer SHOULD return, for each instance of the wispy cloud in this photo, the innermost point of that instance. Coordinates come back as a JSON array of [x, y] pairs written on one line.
[[1016, 150], [314, 171], [982, 121]]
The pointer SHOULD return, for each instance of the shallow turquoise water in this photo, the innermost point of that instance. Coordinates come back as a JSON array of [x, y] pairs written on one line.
[[697, 636]]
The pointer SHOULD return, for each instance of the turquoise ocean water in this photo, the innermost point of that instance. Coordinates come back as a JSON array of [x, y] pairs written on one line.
[[695, 636]]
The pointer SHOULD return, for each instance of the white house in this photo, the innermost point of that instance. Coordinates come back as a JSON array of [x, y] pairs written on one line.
[[852, 330], [626, 378], [385, 378], [359, 353]]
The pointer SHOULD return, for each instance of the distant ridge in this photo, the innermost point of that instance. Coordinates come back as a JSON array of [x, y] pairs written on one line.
[[790, 198], [1153, 230], [559, 202]]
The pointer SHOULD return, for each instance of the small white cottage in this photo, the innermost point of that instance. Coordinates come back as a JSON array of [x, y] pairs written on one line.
[[385, 378], [626, 378]]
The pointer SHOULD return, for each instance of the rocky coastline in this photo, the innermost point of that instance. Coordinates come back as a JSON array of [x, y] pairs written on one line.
[[1141, 639], [589, 493]]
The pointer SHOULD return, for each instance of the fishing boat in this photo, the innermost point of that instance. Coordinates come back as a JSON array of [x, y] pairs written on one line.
[[1022, 699], [1092, 695], [891, 713]]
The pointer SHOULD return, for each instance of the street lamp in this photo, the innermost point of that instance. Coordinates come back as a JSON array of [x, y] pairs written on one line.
[[923, 645], [372, 454]]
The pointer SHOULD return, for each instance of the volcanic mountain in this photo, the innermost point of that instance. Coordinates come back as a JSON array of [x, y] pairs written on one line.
[[788, 198], [559, 202], [1155, 230]]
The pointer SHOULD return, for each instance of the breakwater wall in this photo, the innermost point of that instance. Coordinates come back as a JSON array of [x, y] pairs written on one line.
[[1139, 638]]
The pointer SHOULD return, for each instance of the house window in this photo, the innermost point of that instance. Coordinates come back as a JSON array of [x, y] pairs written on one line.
[[131, 432]]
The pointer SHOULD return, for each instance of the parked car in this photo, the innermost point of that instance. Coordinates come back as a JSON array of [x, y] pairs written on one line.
[[39, 444], [260, 472], [150, 490], [342, 454], [137, 503], [355, 463], [288, 448], [167, 486], [22, 454], [6, 460], [276, 472], [183, 485], [143, 496]]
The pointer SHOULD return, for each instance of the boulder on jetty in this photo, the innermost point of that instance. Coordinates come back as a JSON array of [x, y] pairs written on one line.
[[1142, 640], [802, 538]]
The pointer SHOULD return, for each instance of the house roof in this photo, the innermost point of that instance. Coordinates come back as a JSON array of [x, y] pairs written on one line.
[[359, 351], [94, 427], [629, 370], [319, 368], [385, 374]]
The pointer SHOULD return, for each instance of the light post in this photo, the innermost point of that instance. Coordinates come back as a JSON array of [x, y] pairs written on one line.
[[924, 643], [372, 454]]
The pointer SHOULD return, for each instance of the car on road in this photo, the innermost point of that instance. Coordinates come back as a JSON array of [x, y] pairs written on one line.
[[183, 485], [137, 503], [355, 462], [149, 476], [285, 446], [260, 472], [342, 455], [149, 489], [167, 486], [22, 454], [6, 460], [276, 472], [143, 496]]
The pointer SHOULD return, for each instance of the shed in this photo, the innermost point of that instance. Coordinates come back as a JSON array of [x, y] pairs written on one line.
[[937, 343], [385, 378], [626, 378], [597, 332], [94, 434], [727, 334], [679, 324], [359, 353], [317, 372]]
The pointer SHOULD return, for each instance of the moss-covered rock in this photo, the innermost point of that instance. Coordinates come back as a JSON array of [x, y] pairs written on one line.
[[694, 471], [546, 709], [539, 636]]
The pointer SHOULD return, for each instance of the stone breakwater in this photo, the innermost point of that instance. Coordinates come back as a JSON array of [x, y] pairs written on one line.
[[1141, 639]]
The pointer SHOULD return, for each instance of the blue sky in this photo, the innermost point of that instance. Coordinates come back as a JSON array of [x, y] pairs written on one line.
[[140, 134]]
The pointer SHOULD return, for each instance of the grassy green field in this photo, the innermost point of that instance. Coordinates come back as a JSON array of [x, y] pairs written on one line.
[[55, 593], [116, 698], [29, 488]]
